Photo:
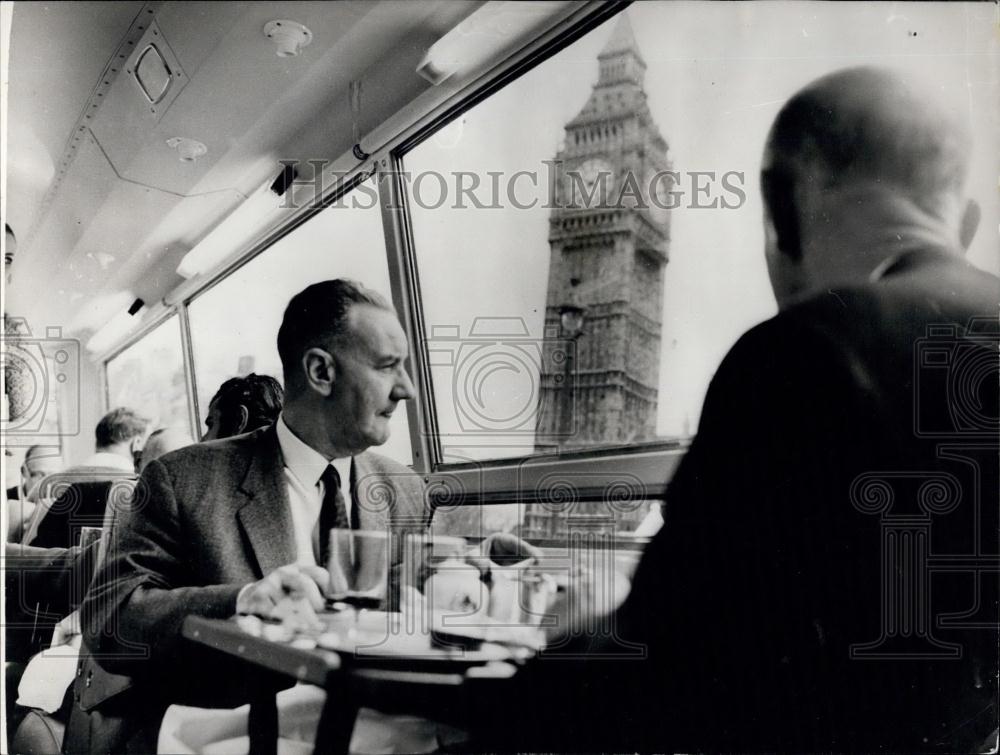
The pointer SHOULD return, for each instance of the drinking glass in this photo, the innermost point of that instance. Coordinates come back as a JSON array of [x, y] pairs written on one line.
[[359, 569]]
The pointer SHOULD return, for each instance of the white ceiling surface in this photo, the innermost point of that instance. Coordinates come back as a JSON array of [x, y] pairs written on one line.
[[128, 209]]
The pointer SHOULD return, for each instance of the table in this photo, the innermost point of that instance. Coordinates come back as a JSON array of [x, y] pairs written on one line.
[[377, 660]]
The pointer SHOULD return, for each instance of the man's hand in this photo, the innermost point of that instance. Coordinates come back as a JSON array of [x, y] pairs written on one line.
[[66, 630], [588, 596], [294, 585]]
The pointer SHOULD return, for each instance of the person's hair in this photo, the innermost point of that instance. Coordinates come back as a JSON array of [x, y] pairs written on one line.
[[317, 317], [260, 394], [120, 426], [859, 124], [36, 451]]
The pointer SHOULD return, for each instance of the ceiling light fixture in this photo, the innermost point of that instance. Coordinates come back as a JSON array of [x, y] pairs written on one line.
[[482, 36], [229, 236], [117, 328], [188, 150], [289, 36]]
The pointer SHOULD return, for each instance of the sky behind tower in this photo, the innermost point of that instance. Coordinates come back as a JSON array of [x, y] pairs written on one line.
[[717, 75]]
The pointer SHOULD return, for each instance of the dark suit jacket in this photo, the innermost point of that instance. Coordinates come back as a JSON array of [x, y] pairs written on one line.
[[205, 521], [778, 559]]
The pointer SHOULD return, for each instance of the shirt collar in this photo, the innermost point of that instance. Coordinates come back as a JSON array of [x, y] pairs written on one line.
[[107, 460], [305, 462]]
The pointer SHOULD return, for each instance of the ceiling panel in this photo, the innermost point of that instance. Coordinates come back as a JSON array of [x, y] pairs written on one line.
[[128, 208], [57, 52]]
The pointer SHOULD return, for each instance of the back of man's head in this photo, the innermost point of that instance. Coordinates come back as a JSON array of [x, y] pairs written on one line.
[[120, 427], [36, 455], [859, 133], [244, 404], [317, 317], [161, 441]]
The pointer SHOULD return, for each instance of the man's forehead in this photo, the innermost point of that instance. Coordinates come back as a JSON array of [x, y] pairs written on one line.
[[375, 329]]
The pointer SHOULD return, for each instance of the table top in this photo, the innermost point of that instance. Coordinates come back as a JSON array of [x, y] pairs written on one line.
[[371, 643]]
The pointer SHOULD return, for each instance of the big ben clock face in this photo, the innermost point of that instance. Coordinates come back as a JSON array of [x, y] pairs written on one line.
[[589, 185], [661, 198]]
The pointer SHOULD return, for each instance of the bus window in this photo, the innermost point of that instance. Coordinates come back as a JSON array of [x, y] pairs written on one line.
[[234, 324], [148, 376], [570, 277]]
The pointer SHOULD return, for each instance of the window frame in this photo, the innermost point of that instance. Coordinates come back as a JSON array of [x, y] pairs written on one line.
[[489, 481], [511, 479], [157, 318]]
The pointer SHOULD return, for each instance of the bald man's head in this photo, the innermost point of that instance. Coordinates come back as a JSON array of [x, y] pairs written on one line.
[[163, 441], [859, 129]]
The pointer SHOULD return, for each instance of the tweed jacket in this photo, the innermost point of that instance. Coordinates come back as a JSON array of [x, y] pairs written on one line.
[[205, 521]]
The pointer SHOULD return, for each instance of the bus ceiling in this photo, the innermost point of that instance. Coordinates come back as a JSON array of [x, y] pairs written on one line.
[[134, 128]]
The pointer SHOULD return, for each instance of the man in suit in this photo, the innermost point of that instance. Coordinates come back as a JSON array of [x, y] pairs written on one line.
[[237, 525], [788, 603]]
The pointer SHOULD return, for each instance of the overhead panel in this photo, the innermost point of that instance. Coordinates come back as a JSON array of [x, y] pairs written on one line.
[[155, 72]]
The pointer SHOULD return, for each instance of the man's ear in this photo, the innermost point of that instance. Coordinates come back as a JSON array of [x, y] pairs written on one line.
[[970, 223], [786, 274], [241, 424], [319, 370]]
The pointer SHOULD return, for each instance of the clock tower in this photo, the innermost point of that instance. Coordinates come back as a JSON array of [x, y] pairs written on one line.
[[608, 242]]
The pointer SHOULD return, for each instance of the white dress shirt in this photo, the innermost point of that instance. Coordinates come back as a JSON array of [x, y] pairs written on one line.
[[304, 466]]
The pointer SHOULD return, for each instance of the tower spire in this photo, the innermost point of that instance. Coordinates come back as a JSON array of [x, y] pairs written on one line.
[[622, 40], [620, 60]]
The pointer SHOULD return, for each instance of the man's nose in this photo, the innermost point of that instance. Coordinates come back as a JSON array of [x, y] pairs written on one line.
[[403, 389]]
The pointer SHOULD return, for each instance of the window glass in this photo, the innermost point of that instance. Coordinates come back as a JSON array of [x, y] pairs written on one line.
[[589, 238], [552, 519], [148, 376], [234, 325], [563, 529]]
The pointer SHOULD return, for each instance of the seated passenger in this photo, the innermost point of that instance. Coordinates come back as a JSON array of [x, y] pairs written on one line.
[[82, 491], [119, 436], [242, 405], [236, 526], [39, 462], [763, 602]]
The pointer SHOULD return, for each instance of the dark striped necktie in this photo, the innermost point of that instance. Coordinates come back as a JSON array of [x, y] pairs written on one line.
[[332, 513]]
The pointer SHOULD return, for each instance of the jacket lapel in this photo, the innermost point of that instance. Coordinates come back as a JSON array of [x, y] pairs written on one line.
[[265, 515], [374, 494]]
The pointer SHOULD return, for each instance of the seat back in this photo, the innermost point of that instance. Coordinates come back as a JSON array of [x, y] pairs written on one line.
[[72, 500]]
